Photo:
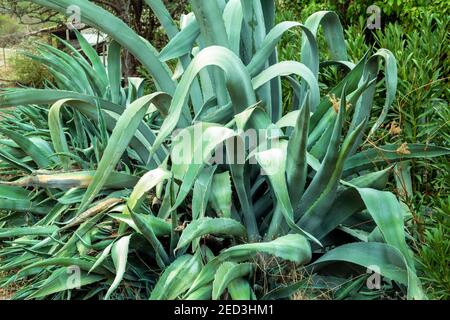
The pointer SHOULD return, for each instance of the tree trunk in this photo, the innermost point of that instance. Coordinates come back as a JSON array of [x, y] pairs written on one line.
[[4, 57]]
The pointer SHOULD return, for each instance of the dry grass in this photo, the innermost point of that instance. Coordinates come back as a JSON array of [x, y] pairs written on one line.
[[8, 292], [286, 273]]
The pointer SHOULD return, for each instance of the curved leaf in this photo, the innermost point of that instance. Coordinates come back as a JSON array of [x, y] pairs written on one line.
[[204, 226], [177, 278], [227, 272], [293, 247]]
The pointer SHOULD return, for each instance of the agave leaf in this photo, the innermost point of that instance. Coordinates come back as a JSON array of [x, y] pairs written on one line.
[[52, 215], [314, 212], [62, 280], [312, 282], [286, 68], [226, 273], [83, 264], [70, 246], [13, 193], [199, 152], [146, 183], [239, 289], [391, 85], [233, 18], [200, 194], [122, 134], [241, 183], [203, 293], [386, 258], [49, 96], [119, 254], [221, 194], [102, 257], [135, 89], [76, 179], [320, 137], [292, 247], [41, 156], [348, 202], [177, 278], [93, 57], [212, 28], [159, 226], [296, 163], [88, 105], [67, 67], [351, 82], [163, 15], [13, 161], [19, 262], [57, 132], [115, 71], [167, 201], [27, 231], [333, 33], [147, 231], [22, 205], [204, 226], [271, 40], [273, 162], [237, 79], [182, 43], [254, 29], [105, 21], [387, 213], [102, 206], [321, 184], [205, 276]]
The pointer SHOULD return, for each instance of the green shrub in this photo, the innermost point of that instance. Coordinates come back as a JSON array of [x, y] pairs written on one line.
[[8, 27], [408, 13], [421, 111], [121, 185], [27, 72], [435, 249]]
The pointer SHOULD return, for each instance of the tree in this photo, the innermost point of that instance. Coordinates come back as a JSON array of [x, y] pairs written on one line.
[[8, 28], [134, 13]]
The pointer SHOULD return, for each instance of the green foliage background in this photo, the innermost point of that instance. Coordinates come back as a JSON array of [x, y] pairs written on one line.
[[417, 34], [419, 42]]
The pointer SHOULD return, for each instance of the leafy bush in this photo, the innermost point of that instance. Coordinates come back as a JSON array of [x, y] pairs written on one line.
[[8, 26], [121, 186], [408, 13], [420, 112], [435, 251], [28, 72]]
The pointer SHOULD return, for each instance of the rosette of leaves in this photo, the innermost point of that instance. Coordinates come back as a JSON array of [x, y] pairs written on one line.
[[96, 179]]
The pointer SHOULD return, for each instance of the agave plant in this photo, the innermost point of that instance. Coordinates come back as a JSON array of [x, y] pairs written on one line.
[[161, 195]]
